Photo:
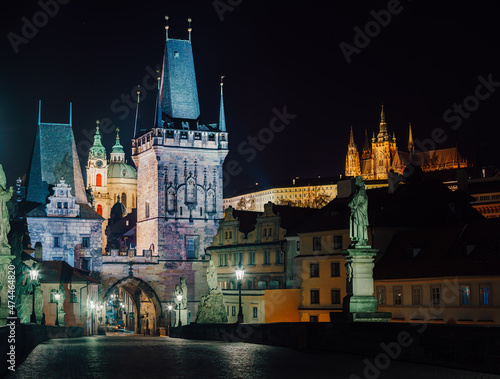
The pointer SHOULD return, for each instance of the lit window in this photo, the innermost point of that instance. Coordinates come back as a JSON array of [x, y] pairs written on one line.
[[464, 295], [398, 295], [484, 294]]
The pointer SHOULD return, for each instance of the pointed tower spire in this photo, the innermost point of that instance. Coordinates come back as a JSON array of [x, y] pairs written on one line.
[[97, 151], [166, 27], [117, 153], [39, 112], [351, 138], [411, 146], [382, 134], [190, 29], [367, 149], [71, 114], [222, 115], [159, 120], [352, 165], [137, 122]]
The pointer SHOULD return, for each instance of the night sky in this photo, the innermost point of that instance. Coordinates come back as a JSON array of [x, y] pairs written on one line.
[[274, 55]]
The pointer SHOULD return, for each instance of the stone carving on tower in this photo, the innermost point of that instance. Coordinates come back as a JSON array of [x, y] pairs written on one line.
[[62, 203]]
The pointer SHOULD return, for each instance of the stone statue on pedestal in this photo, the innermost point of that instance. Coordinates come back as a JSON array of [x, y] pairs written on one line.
[[184, 291], [359, 215], [5, 196], [212, 309]]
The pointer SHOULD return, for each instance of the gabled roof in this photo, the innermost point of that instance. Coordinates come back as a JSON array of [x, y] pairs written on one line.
[[470, 250], [62, 272], [86, 212]]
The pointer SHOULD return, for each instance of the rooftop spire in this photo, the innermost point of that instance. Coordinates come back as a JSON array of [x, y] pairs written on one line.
[[137, 114], [190, 29], [351, 138], [97, 151], [411, 146], [166, 27], [382, 134], [222, 115], [367, 150], [158, 121]]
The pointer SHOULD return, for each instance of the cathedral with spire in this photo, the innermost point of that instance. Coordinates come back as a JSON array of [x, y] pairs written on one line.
[[381, 155]]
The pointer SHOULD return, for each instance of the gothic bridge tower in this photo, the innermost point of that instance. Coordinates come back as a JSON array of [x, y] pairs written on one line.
[[179, 185]]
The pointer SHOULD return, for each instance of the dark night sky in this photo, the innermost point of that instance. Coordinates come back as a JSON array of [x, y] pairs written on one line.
[[274, 54]]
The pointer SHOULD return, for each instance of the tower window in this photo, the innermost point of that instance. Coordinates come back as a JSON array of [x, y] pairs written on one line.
[[123, 199], [98, 180], [146, 210], [176, 54]]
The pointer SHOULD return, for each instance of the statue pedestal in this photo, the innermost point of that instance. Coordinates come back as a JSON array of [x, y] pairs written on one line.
[[360, 304], [5, 261]]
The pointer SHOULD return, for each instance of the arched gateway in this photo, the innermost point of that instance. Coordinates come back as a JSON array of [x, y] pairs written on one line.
[[146, 303]]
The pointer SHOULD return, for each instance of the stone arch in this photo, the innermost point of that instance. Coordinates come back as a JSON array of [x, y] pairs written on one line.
[[131, 285]]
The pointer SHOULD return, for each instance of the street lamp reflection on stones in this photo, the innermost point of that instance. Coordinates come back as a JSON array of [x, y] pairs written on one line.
[[179, 302], [34, 278], [240, 273], [57, 296]]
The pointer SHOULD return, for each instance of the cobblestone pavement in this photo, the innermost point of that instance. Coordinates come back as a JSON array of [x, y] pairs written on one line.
[[132, 356]]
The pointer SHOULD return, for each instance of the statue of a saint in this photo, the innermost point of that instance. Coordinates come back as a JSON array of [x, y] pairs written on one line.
[[359, 214], [177, 291], [213, 285], [5, 195], [184, 291]]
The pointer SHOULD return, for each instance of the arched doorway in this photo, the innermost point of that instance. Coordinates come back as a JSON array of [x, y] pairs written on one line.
[[146, 304]]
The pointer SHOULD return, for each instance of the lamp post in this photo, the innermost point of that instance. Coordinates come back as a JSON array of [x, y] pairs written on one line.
[[240, 273], [92, 307], [57, 296], [33, 277], [169, 306], [179, 302]]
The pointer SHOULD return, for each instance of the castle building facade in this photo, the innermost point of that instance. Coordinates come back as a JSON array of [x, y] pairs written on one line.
[[382, 155]]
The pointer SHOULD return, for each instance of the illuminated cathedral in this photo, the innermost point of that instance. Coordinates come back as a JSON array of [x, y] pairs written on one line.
[[382, 156]]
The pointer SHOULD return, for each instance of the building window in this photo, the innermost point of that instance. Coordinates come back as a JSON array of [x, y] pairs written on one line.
[[233, 310], [99, 209], [337, 242], [398, 295], [335, 269], [314, 270], [146, 209], [436, 295], [255, 312], [336, 297], [313, 318], [265, 232], [316, 243], [416, 295], [222, 259], [279, 257], [464, 295], [267, 257], [484, 294], [59, 205], [86, 264], [314, 296], [57, 241], [298, 245], [237, 259], [228, 234], [73, 298], [381, 295], [191, 247], [65, 205], [251, 258], [86, 242], [98, 180]]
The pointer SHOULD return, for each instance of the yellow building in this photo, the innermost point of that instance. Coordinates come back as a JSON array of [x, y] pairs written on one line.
[[258, 241], [448, 275]]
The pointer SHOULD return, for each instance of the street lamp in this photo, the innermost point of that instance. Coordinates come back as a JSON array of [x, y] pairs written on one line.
[[57, 296], [33, 277], [240, 273], [179, 301], [92, 307], [169, 306]]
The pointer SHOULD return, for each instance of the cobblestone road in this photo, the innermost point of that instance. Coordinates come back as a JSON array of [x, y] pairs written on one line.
[[131, 356]]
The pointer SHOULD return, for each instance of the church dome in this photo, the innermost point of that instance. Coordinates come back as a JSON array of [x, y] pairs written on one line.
[[121, 170], [118, 210]]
